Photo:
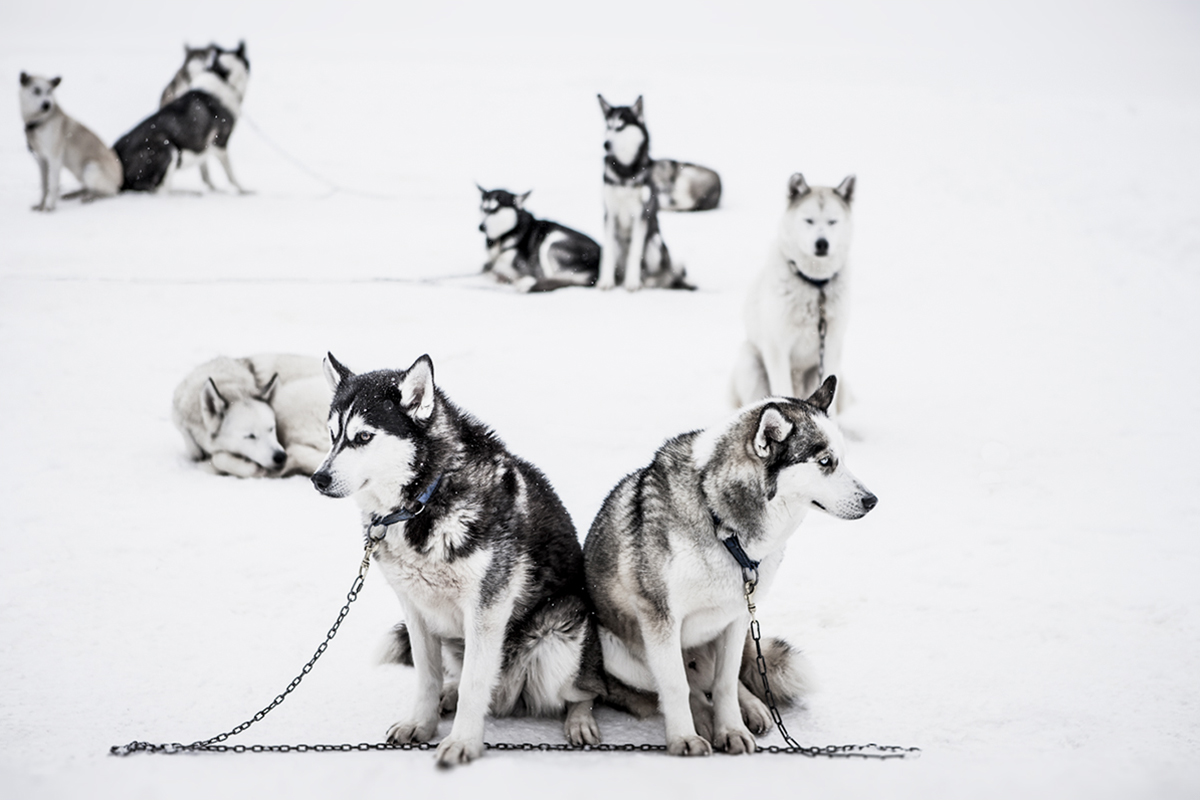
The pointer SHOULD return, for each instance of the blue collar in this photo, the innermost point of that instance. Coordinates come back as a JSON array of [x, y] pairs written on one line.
[[734, 546], [405, 514]]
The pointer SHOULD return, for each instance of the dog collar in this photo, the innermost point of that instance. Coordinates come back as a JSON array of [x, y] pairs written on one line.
[[734, 546], [817, 282], [30, 127], [405, 514]]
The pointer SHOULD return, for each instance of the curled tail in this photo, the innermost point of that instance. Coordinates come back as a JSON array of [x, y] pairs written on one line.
[[787, 670], [396, 647]]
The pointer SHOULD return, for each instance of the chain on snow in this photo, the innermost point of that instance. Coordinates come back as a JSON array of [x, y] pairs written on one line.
[[214, 744]]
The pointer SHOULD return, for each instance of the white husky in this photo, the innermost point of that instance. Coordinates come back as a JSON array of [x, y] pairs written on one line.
[[795, 313], [255, 417]]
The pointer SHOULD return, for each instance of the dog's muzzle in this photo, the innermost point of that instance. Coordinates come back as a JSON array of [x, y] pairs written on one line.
[[322, 481], [822, 247]]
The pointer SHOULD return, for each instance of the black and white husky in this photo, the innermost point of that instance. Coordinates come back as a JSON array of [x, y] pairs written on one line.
[[633, 251], [534, 254], [667, 586], [478, 548], [190, 128]]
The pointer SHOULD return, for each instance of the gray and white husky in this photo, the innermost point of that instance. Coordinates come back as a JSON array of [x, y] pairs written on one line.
[[195, 61], [190, 128], [253, 417], [795, 312], [633, 251], [667, 588], [681, 186], [535, 255], [56, 141], [479, 550]]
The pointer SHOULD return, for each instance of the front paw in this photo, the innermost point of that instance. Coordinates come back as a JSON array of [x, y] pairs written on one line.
[[606, 284], [690, 745], [452, 751], [755, 714], [581, 727], [409, 732], [735, 741]]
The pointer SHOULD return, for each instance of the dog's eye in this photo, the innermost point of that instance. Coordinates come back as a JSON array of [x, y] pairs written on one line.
[[362, 437], [833, 222], [825, 461], [809, 221], [251, 436], [37, 92]]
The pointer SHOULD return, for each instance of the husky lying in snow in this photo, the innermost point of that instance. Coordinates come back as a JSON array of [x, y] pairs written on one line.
[[190, 128], [681, 186], [480, 552], [667, 591], [58, 141], [534, 254], [786, 354], [633, 250], [261, 416]]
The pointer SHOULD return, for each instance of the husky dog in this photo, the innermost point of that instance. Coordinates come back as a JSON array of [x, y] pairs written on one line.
[[480, 552], [190, 128], [633, 248], [795, 313], [681, 186], [253, 417], [195, 61], [537, 255], [58, 141], [662, 572]]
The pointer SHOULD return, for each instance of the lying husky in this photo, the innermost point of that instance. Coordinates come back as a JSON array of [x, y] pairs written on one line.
[[58, 141], [261, 416], [795, 313], [680, 186], [633, 250], [191, 128], [480, 552], [667, 590], [536, 255]]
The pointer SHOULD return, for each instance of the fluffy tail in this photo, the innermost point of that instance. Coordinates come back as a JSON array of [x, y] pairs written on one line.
[[396, 647], [788, 670]]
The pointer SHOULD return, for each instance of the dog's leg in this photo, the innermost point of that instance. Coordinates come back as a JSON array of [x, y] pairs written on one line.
[[777, 361], [581, 727], [637, 249], [608, 253], [229, 464], [44, 172], [749, 376], [482, 659], [755, 713], [54, 176], [223, 157], [421, 723], [730, 733], [204, 176], [664, 657]]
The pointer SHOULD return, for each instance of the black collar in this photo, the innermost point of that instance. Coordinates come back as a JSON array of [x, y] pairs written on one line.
[[734, 546], [817, 282], [405, 514], [30, 127]]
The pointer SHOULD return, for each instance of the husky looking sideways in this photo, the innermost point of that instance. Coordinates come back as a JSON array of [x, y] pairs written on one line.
[[195, 61], [669, 591], [58, 141], [480, 552], [191, 128], [633, 250], [536, 255], [795, 312]]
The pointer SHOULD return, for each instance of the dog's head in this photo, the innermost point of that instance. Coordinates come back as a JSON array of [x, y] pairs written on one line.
[[626, 139], [499, 209], [223, 73], [379, 423], [37, 96], [815, 231], [243, 425]]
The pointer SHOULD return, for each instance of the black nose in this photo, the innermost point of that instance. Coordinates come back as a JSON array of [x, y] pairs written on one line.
[[869, 502], [322, 480], [45, 105], [279, 458], [482, 229], [822, 247]]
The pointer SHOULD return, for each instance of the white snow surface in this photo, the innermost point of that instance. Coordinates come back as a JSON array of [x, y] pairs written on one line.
[[1026, 275]]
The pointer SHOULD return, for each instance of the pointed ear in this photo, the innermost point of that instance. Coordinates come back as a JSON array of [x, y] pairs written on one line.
[[26, 79], [638, 110], [519, 200], [773, 427], [822, 398], [335, 372], [212, 407], [55, 81], [482, 190], [268, 391], [604, 106], [416, 390], [845, 189], [797, 186]]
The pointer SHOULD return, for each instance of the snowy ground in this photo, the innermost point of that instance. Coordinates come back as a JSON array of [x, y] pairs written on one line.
[[1023, 351]]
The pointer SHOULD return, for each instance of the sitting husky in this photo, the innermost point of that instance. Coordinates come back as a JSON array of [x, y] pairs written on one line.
[[253, 417], [58, 141], [681, 186], [480, 552], [536, 255], [195, 61], [633, 249], [795, 313], [666, 585], [190, 128]]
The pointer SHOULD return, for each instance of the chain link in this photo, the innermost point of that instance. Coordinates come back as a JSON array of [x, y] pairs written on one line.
[[821, 334]]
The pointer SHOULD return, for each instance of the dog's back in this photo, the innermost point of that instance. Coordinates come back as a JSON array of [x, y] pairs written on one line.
[[190, 123]]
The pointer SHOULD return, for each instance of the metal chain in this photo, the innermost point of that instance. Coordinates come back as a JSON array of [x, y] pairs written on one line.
[[821, 334]]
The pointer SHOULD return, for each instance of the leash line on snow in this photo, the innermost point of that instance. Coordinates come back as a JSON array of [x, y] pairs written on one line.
[[215, 744]]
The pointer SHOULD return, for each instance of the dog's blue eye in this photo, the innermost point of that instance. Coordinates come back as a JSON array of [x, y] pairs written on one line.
[[363, 437], [826, 461]]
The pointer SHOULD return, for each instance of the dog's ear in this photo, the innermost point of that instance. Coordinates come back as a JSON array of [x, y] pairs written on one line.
[[268, 391], [797, 187], [416, 390], [604, 106], [212, 407], [637, 109], [241, 53], [335, 371], [482, 190], [845, 189], [519, 199], [773, 427], [26, 79], [55, 81], [822, 398]]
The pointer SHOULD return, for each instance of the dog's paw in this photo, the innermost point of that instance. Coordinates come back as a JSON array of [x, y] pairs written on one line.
[[606, 284], [581, 727], [689, 746], [452, 752], [703, 720], [755, 714], [449, 699], [409, 732], [735, 741]]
